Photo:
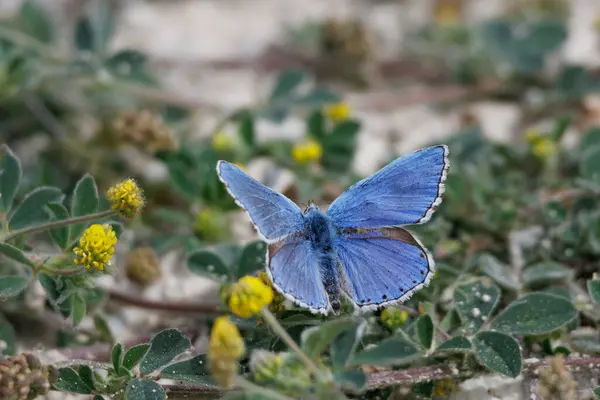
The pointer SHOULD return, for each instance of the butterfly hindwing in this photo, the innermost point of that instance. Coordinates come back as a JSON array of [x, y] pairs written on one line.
[[274, 215], [405, 192], [293, 268], [382, 266]]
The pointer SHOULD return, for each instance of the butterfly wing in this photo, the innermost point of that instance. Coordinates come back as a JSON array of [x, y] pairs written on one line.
[[274, 215], [381, 267], [404, 192], [293, 268]]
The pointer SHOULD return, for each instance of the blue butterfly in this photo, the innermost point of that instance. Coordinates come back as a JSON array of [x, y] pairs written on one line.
[[358, 248]]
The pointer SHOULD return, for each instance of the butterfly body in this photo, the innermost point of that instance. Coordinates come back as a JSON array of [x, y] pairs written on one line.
[[358, 248]]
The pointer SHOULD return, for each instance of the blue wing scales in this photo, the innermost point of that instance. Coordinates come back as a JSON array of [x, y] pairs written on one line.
[[274, 215], [405, 192], [383, 266]]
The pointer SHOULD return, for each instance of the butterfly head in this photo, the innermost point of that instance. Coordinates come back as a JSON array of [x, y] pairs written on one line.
[[311, 206]]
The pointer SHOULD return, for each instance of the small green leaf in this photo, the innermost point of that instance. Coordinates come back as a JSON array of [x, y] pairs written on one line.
[[316, 339], [316, 124], [345, 343], [597, 392], [101, 325], [15, 254], [164, 347], [93, 32], [7, 335], [134, 355], [35, 21], [457, 344], [128, 64], [209, 264], [498, 352], [70, 381], [78, 308], [475, 300], [246, 129], [116, 356], [61, 235], [546, 273], [10, 177], [144, 389], [87, 376], [535, 314], [591, 139], [424, 330], [560, 127], [84, 202], [252, 259], [594, 289], [354, 381], [193, 370], [589, 167], [393, 351], [287, 82], [12, 285], [450, 321], [499, 272], [31, 211]]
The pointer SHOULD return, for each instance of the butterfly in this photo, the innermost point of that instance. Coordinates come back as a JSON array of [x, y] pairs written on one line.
[[358, 248]]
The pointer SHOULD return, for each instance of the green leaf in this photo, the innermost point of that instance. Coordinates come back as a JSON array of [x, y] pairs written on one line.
[[316, 124], [164, 347], [128, 64], [287, 82], [144, 389], [93, 32], [339, 145], [589, 166], [594, 289], [84, 35], [102, 327], [500, 273], [87, 376], [450, 321], [209, 264], [15, 254], [98, 397], [7, 335], [393, 351], [354, 381], [31, 211], [424, 330], [70, 381], [134, 355], [546, 273], [316, 339], [560, 127], [35, 21], [193, 370], [12, 285], [84, 202], [535, 314], [317, 98], [475, 300], [116, 356], [591, 139], [585, 342], [252, 259], [78, 308], [61, 235], [10, 177], [457, 344], [345, 343], [498, 352], [246, 129], [597, 392]]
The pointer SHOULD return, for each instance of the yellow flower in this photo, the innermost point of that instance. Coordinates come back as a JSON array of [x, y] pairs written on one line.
[[127, 198], [531, 135], [337, 112], [248, 296], [544, 148], [222, 142], [393, 317], [226, 347], [96, 247], [307, 152], [278, 299]]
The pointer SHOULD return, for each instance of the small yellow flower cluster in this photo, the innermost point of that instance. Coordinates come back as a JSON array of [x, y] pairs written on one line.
[[393, 317], [307, 152], [248, 296], [278, 299], [126, 198], [542, 146], [96, 247], [337, 112], [225, 349], [222, 142]]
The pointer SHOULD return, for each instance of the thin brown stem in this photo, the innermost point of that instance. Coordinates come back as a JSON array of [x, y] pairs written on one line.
[[134, 301], [56, 224], [66, 271]]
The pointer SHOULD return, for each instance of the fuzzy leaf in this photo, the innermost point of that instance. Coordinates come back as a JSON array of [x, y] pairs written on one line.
[[193, 370], [209, 264], [61, 235], [252, 259], [475, 300], [392, 351], [116, 356], [78, 308], [345, 343], [87, 376], [70, 381], [535, 314], [424, 330], [500, 273], [31, 211], [134, 355], [12, 285], [10, 177], [546, 273], [144, 389], [35, 21], [85, 201], [594, 289], [354, 381], [164, 347], [498, 352], [316, 339], [597, 392], [15, 254], [7, 335], [287, 82], [457, 344]]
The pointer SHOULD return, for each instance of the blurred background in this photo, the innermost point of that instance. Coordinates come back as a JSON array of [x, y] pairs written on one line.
[[307, 95]]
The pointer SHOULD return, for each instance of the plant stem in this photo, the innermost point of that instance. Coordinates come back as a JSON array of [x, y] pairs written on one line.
[[251, 387], [66, 271], [208, 309], [56, 224], [276, 326]]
